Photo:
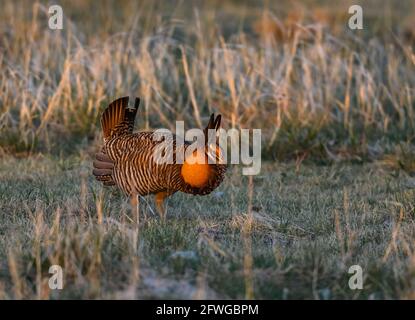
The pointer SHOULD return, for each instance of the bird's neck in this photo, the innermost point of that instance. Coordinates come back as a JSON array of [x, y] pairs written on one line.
[[196, 171]]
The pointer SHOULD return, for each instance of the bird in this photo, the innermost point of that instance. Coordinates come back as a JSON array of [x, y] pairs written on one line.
[[127, 159]]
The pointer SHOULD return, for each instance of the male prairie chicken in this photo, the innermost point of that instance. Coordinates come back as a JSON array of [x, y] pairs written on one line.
[[128, 159]]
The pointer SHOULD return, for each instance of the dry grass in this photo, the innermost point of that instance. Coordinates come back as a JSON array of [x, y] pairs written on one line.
[[321, 93]]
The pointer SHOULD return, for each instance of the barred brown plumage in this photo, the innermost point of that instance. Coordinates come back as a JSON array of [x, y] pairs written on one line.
[[127, 159]]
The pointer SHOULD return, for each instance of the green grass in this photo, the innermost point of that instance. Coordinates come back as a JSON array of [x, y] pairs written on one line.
[[308, 225]]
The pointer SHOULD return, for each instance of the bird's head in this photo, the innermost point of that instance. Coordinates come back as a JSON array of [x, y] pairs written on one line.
[[199, 168]]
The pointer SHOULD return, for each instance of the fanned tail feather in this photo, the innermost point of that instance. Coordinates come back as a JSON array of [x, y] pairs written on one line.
[[118, 119]]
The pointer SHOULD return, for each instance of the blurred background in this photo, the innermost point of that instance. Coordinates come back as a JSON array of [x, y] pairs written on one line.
[[317, 89]]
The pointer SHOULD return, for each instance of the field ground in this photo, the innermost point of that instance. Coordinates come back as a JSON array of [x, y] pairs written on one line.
[[304, 228]]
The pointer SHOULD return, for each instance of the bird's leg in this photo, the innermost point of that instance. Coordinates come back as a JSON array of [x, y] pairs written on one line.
[[135, 205], [160, 197]]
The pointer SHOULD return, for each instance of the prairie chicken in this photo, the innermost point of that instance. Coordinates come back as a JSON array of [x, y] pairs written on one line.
[[128, 160]]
